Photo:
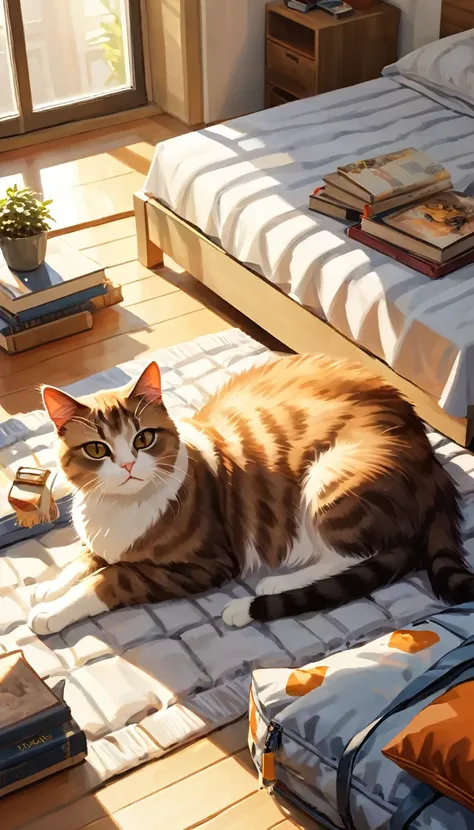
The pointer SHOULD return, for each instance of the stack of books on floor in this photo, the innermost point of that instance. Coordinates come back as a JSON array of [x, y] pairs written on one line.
[[38, 736], [54, 301], [403, 205]]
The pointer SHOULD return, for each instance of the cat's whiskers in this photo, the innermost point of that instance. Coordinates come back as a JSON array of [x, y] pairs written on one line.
[[152, 400], [175, 497], [78, 419], [175, 469]]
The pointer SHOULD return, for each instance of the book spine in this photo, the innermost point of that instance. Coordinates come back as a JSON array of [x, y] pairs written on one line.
[[31, 779], [112, 297], [17, 328], [71, 746], [42, 722], [398, 254], [47, 333], [29, 748], [78, 298]]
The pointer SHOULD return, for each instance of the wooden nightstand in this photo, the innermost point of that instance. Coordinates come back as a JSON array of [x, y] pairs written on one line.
[[307, 54]]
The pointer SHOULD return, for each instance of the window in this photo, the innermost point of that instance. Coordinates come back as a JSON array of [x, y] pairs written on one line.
[[63, 60]]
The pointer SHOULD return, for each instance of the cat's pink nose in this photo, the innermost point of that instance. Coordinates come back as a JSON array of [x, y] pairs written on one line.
[[128, 466]]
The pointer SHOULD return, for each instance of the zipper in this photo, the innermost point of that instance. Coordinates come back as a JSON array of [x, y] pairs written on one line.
[[273, 740]]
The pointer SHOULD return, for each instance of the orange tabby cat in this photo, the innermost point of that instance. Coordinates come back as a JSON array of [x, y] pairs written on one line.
[[305, 462]]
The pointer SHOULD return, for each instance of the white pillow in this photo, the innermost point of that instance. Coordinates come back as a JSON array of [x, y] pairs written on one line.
[[445, 66]]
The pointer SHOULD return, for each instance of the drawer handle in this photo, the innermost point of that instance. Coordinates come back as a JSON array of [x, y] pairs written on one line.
[[292, 57]]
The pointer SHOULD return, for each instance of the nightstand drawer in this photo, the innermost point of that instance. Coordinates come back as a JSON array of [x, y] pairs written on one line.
[[275, 96], [290, 71]]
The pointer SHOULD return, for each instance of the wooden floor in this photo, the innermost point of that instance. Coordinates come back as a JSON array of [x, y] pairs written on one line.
[[211, 783]]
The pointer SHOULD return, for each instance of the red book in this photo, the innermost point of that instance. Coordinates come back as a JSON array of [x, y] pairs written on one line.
[[433, 270]]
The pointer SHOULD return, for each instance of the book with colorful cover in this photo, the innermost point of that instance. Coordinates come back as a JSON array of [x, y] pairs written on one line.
[[432, 270], [439, 229], [391, 174], [27, 704]]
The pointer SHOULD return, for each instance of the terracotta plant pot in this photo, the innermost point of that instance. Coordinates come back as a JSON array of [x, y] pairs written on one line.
[[26, 253]]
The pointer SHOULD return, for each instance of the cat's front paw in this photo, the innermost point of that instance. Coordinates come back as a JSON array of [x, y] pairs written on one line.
[[43, 620], [47, 591], [237, 613], [271, 585]]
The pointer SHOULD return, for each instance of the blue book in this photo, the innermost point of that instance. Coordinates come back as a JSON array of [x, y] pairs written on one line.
[[27, 705], [41, 756], [67, 277], [54, 306]]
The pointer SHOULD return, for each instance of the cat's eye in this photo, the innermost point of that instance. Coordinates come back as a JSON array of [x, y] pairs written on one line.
[[145, 439], [96, 450]]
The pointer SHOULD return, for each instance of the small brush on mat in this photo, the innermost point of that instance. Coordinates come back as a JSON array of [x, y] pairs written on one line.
[[31, 496]]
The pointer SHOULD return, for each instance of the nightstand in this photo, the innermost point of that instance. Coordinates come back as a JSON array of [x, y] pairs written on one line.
[[307, 54]]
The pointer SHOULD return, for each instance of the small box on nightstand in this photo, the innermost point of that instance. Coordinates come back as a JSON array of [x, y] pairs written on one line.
[[307, 54]]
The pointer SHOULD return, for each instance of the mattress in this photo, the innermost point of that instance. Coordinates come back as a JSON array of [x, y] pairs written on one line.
[[141, 681], [246, 183]]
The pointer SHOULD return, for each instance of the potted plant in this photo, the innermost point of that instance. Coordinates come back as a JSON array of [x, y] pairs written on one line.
[[24, 222]]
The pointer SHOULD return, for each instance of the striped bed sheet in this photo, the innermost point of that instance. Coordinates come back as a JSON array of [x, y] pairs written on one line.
[[245, 184]]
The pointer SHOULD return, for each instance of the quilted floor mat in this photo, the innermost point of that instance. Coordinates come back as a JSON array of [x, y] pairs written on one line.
[[144, 680]]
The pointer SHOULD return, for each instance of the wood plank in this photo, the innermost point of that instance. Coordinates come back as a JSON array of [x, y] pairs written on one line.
[[109, 198], [276, 313], [116, 252], [97, 357], [258, 810], [147, 289], [100, 234], [66, 131], [128, 272], [21, 371], [189, 802], [151, 778]]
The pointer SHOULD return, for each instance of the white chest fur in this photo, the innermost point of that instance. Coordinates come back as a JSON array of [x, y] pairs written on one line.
[[109, 525]]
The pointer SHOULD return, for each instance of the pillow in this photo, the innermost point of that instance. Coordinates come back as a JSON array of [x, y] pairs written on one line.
[[437, 747], [445, 66]]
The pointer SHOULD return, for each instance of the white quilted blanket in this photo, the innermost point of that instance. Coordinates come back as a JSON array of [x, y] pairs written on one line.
[[143, 680]]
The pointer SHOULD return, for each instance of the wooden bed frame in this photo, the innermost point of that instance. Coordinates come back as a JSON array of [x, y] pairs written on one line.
[[160, 231]]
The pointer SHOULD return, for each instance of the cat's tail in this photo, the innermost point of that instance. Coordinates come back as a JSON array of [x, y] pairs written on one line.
[[360, 580], [444, 555]]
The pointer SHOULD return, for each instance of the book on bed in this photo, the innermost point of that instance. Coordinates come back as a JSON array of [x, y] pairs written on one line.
[[433, 270], [438, 229], [393, 174], [373, 186]]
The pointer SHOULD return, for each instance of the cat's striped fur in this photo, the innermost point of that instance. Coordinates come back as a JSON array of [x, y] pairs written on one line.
[[305, 462]]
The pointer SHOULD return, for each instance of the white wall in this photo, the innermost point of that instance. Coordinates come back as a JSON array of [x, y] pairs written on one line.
[[233, 57], [420, 23]]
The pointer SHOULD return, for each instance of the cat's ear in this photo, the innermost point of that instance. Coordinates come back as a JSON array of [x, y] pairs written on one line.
[[60, 407], [148, 385]]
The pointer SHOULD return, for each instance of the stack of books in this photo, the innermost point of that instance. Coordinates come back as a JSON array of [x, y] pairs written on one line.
[[56, 300], [38, 736], [403, 205]]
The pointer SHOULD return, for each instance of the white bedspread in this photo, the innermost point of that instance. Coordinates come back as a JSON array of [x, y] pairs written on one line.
[[246, 184]]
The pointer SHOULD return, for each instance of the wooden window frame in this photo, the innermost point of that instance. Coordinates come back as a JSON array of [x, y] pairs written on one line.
[[30, 120]]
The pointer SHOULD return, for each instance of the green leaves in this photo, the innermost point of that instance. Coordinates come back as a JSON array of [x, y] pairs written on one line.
[[111, 41], [22, 214]]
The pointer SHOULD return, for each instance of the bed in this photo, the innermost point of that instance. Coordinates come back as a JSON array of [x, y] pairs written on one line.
[[229, 204]]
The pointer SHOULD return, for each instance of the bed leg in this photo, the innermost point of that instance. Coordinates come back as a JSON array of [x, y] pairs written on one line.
[[149, 254]]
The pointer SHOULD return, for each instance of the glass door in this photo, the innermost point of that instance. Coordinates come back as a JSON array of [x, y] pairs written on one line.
[[65, 60]]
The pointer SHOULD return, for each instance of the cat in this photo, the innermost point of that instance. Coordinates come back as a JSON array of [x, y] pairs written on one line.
[[305, 462]]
